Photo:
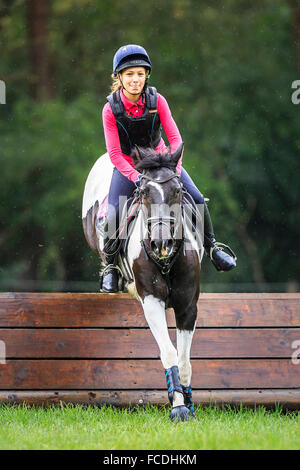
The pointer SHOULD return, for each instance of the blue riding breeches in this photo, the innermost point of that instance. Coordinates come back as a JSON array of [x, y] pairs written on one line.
[[122, 186]]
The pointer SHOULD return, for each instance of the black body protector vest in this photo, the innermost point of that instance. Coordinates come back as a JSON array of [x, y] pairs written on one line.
[[144, 131]]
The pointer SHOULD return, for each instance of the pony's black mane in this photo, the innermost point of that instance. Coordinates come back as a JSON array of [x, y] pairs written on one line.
[[151, 160]]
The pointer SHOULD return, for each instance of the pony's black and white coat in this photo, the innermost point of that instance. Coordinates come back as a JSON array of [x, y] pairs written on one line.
[[150, 285]]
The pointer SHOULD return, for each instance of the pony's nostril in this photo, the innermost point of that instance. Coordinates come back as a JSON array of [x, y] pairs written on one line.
[[169, 245], [161, 247], [155, 246], [166, 247]]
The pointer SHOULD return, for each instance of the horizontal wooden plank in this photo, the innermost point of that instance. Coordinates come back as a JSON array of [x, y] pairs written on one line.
[[243, 311], [120, 310], [140, 343], [80, 343], [147, 373], [268, 398], [69, 310], [244, 343]]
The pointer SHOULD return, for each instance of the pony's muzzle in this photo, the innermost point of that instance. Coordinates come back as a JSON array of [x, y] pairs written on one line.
[[162, 248]]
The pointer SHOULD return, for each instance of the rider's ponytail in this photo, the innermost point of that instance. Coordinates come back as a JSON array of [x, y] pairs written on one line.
[[116, 83]]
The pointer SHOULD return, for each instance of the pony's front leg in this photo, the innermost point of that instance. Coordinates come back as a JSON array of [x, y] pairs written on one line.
[[154, 310]]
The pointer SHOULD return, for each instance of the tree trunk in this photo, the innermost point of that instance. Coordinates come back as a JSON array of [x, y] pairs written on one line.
[[38, 13], [249, 244], [295, 12]]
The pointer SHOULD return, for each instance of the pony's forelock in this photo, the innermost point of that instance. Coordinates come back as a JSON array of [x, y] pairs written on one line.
[[148, 159]]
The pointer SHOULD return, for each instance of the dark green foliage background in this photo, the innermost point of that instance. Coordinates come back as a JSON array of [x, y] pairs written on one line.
[[226, 69]]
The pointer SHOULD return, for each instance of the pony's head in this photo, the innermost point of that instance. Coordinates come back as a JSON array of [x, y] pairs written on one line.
[[160, 191]]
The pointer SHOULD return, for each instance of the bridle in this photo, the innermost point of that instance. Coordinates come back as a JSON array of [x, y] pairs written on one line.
[[164, 265], [164, 180], [152, 222], [167, 221]]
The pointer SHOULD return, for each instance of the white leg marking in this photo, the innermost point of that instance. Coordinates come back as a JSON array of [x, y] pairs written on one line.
[[154, 310], [184, 342], [178, 399]]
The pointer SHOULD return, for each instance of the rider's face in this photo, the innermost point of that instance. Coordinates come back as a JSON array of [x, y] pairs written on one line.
[[133, 79]]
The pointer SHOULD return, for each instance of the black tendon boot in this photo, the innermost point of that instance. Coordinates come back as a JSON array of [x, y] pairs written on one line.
[[181, 412], [215, 250], [188, 400]]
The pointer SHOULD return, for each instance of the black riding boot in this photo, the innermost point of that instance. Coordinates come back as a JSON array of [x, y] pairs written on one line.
[[110, 276], [214, 250], [110, 273]]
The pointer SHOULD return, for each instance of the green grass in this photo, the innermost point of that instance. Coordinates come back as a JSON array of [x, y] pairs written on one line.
[[80, 427]]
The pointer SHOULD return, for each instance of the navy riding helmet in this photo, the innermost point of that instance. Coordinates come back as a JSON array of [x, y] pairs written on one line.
[[131, 56]]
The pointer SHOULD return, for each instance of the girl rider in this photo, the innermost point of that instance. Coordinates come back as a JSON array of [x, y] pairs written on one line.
[[133, 116]]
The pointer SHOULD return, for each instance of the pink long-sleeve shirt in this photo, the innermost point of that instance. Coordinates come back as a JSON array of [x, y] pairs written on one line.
[[124, 162]]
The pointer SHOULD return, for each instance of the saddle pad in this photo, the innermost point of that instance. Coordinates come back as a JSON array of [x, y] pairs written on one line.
[[97, 185], [103, 209]]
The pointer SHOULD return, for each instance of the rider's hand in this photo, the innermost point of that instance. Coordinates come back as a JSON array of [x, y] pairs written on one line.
[[138, 181]]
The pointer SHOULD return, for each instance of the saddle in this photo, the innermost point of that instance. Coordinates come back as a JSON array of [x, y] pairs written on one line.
[[121, 236]]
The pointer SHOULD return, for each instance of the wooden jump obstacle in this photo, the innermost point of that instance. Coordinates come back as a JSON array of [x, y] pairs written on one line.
[[98, 349]]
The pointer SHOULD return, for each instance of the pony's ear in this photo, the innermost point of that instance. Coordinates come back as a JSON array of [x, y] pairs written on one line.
[[135, 154], [177, 154], [138, 154]]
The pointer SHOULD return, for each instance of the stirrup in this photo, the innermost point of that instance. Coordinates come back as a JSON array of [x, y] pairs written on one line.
[[221, 245], [112, 266], [219, 263], [111, 278]]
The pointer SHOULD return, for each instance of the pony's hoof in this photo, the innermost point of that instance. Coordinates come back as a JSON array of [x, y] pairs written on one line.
[[180, 413]]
